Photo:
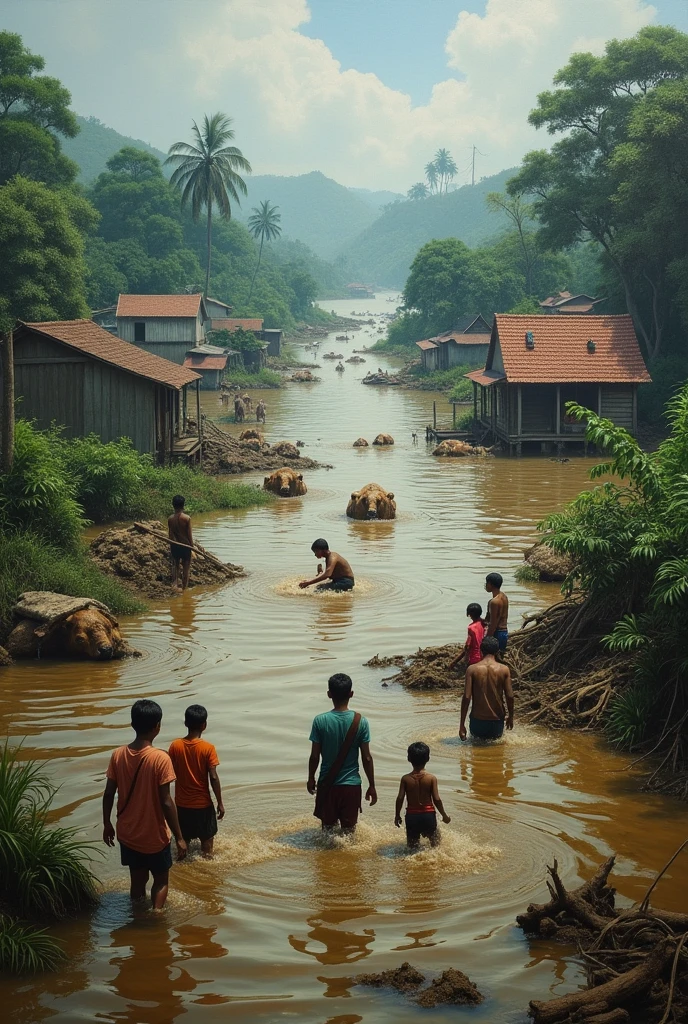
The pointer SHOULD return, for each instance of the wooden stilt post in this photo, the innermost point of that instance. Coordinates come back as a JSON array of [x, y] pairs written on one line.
[[454, 415], [434, 415], [198, 419]]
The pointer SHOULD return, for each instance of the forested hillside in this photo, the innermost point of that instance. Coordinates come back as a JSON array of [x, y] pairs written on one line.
[[383, 252], [315, 209], [95, 144]]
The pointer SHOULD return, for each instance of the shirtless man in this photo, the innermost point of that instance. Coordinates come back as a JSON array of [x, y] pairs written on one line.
[[497, 611], [338, 574], [179, 531], [260, 412], [488, 688]]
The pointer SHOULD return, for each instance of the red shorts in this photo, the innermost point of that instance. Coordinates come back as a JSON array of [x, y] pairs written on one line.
[[342, 805]]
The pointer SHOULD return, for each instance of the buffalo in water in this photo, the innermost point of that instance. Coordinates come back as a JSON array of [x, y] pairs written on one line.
[[372, 502], [285, 482]]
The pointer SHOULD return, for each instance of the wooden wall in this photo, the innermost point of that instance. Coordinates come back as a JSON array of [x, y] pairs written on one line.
[[467, 355], [175, 351], [538, 409], [618, 404]]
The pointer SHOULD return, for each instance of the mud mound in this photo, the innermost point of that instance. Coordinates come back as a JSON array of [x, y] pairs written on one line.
[[224, 454], [404, 979], [142, 562], [427, 669], [451, 987], [252, 434], [286, 450], [458, 449], [303, 377], [551, 566]]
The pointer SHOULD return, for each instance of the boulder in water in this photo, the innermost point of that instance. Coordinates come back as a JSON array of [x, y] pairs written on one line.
[[551, 566], [361, 443]]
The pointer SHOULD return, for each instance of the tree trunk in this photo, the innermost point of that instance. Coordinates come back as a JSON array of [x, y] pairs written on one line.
[[253, 279], [7, 424], [209, 238]]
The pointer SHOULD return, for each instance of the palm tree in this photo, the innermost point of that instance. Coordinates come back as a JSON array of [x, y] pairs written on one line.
[[450, 172], [431, 175], [264, 223], [417, 191], [206, 173], [445, 167]]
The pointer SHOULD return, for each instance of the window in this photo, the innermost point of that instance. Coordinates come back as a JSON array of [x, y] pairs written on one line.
[[139, 331]]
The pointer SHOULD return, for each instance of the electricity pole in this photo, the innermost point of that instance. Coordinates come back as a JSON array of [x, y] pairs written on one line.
[[473, 167]]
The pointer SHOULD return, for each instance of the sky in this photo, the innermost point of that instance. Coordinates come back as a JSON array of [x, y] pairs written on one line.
[[363, 90]]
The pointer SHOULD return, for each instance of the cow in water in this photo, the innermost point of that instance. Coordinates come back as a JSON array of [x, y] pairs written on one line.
[[260, 412], [248, 403], [239, 410]]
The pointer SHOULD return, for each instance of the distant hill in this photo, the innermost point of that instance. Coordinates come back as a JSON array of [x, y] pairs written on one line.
[[383, 252], [377, 199], [315, 209], [96, 143]]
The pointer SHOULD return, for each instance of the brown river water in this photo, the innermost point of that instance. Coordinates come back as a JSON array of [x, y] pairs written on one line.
[[277, 925]]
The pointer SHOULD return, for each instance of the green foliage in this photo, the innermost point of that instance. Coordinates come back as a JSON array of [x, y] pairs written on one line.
[[260, 379], [203, 493], [617, 175], [43, 869], [668, 374], [264, 225], [526, 573], [628, 540], [444, 380], [37, 494], [42, 249], [29, 563], [629, 714], [240, 340], [95, 144], [109, 478], [34, 112]]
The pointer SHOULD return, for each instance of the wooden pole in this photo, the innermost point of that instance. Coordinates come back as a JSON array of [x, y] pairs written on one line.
[[199, 425], [454, 415], [434, 415], [7, 425], [196, 548]]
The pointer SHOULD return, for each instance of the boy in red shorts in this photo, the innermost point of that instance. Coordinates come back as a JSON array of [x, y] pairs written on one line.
[[195, 763]]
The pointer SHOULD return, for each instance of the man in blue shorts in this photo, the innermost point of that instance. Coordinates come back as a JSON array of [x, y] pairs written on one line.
[[486, 692], [497, 611]]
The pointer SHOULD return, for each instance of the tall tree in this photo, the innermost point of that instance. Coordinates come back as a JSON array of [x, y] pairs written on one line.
[[432, 175], [34, 111], [207, 173], [417, 191], [264, 224], [610, 155], [521, 215], [445, 167]]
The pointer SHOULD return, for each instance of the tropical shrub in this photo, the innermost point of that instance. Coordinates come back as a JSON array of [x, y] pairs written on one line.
[[44, 873]]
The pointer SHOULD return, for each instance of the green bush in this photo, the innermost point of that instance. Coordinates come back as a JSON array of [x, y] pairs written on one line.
[[43, 870], [465, 421], [36, 494], [261, 379], [668, 374], [28, 563], [526, 574], [203, 493], [109, 477], [444, 380]]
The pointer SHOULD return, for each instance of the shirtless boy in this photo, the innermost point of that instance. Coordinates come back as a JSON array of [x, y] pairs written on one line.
[[419, 788], [179, 531], [497, 610], [486, 691], [337, 575]]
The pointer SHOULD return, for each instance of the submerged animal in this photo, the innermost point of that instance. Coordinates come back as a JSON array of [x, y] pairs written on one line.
[[371, 502], [457, 449], [250, 434], [286, 482], [54, 625], [360, 443], [286, 449], [383, 439]]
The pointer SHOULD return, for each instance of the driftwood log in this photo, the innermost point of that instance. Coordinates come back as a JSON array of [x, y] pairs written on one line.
[[636, 959]]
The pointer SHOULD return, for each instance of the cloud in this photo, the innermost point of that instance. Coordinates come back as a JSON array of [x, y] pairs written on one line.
[[300, 110]]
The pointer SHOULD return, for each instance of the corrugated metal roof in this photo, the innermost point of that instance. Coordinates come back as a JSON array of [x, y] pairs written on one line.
[[560, 354], [87, 337], [147, 306]]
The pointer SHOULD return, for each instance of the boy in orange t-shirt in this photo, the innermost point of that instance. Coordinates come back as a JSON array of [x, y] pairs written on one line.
[[195, 762]]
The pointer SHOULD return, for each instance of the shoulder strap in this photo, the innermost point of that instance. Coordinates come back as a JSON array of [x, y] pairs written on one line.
[[121, 808], [342, 753]]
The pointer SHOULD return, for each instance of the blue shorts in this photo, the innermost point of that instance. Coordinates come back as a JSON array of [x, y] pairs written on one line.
[[502, 635], [486, 729], [340, 585]]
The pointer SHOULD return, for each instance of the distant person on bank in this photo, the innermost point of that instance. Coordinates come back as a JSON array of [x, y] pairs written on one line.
[[488, 694], [195, 764], [476, 633], [141, 775], [336, 737], [181, 542], [496, 619], [337, 574]]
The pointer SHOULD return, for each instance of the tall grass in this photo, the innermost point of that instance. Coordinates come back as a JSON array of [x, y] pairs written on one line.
[[453, 380], [29, 563], [44, 874], [261, 379]]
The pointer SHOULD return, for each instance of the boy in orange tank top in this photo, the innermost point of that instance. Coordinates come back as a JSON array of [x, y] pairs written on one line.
[[195, 764], [422, 797]]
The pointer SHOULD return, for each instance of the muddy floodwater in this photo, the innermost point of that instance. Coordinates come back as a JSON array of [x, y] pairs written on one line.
[[277, 926]]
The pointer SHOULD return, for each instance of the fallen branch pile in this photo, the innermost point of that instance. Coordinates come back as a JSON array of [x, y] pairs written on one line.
[[223, 454], [636, 960]]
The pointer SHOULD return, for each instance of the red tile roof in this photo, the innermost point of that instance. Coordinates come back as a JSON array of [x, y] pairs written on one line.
[[232, 323], [147, 306], [485, 377], [426, 345], [92, 340], [560, 354], [204, 362]]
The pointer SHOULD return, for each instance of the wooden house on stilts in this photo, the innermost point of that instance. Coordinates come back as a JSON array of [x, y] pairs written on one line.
[[536, 364]]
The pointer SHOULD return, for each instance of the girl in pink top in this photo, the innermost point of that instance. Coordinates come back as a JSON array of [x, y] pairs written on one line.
[[476, 632]]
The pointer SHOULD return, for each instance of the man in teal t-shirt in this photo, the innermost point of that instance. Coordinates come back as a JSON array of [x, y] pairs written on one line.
[[342, 800]]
